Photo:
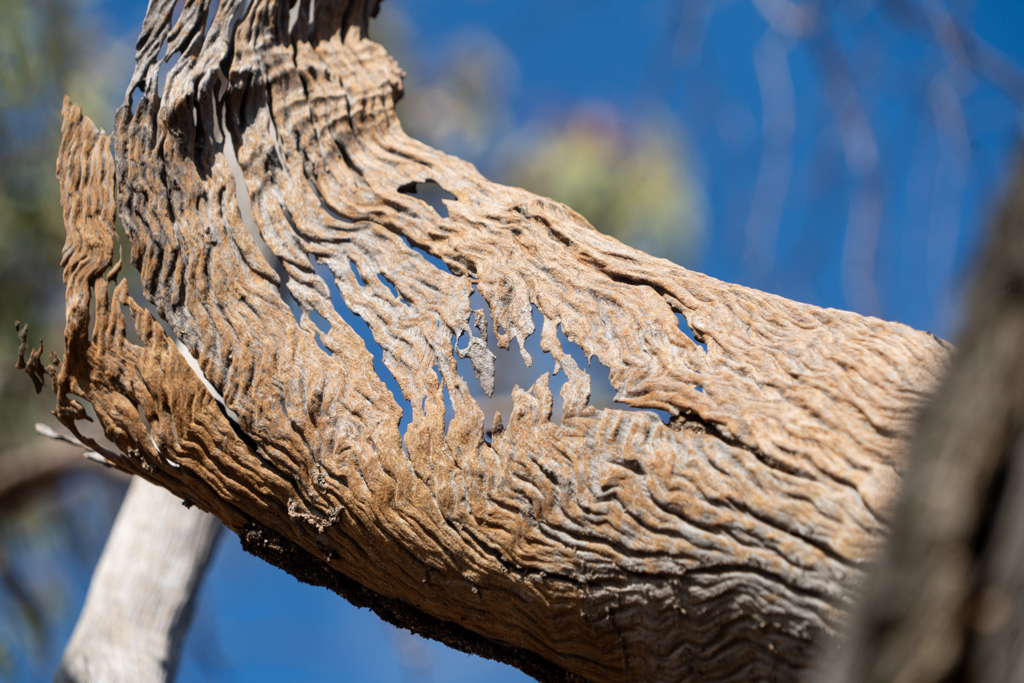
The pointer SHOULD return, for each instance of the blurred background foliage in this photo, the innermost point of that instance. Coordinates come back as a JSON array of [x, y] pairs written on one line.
[[54, 515], [841, 152], [47, 48], [630, 181]]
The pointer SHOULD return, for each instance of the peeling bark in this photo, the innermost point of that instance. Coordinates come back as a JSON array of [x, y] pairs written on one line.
[[612, 546]]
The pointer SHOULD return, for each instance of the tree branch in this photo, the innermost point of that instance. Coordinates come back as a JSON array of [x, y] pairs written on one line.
[[611, 546], [139, 604], [24, 469]]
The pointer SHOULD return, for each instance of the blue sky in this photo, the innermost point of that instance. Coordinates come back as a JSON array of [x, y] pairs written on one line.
[[255, 623]]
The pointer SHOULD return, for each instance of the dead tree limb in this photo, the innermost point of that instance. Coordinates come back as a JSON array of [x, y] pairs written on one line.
[[140, 599], [609, 547]]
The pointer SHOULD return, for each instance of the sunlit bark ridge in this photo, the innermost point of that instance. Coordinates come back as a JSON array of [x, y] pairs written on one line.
[[610, 546]]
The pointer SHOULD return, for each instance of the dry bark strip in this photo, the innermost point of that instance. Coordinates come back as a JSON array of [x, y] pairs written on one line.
[[609, 547]]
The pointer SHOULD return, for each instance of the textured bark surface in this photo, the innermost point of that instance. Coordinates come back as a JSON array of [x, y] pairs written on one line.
[[140, 599], [945, 601], [610, 546]]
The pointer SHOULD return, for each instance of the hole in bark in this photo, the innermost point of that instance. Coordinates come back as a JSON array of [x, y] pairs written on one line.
[[176, 13], [133, 101], [363, 330], [320, 343], [93, 429], [320, 321], [286, 294], [432, 194], [167, 63], [92, 315], [477, 351], [355, 271], [602, 393], [245, 209], [324, 328], [122, 246], [391, 287], [449, 411], [387, 283], [431, 259], [509, 370], [129, 325], [236, 18], [242, 196], [90, 412], [210, 14], [685, 327], [148, 428]]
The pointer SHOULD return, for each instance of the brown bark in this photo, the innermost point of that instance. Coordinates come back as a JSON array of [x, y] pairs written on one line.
[[611, 546]]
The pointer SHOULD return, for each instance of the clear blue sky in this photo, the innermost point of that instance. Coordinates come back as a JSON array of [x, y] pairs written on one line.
[[256, 623]]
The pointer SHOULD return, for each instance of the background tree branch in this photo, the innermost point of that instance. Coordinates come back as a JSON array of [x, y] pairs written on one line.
[[140, 600]]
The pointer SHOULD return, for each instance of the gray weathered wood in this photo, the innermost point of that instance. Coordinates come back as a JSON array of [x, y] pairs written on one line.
[[140, 599]]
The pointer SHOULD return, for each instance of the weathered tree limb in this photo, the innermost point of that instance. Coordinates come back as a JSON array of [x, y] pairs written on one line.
[[944, 602], [609, 547], [140, 600]]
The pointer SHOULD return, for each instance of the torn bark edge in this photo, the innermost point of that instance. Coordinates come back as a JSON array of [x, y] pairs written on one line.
[[304, 566], [32, 367]]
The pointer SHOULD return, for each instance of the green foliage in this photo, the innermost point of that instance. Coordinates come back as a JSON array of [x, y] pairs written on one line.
[[629, 181]]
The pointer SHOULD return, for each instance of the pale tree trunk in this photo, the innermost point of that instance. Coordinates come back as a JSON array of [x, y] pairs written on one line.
[[140, 599], [723, 545]]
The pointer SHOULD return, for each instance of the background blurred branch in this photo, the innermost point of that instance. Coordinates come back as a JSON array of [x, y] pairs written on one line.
[[142, 593], [23, 470]]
